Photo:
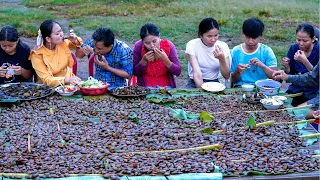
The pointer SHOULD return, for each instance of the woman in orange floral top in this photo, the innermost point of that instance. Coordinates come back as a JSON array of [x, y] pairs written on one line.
[[53, 60], [155, 61]]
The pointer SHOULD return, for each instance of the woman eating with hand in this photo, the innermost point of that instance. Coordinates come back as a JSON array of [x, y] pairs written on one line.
[[15, 66], [52, 60], [207, 55], [302, 56], [155, 60]]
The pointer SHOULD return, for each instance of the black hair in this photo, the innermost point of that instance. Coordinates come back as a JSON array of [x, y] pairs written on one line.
[[253, 28], [307, 28], [9, 33], [105, 35], [149, 29], [46, 28], [206, 25]]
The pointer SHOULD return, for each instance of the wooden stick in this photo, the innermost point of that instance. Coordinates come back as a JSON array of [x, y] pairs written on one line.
[[58, 125], [310, 135], [29, 143], [298, 122], [209, 147]]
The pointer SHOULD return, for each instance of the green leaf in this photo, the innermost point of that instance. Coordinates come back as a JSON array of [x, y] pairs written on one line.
[[251, 121], [181, 114], [134, 118], [73, 97], [206, 130], [94, 119], [106, 164], [206, 117], [91, 97], [9, 100], [51, 111]]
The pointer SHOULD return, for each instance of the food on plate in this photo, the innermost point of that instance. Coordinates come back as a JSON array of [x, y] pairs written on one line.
[[66, 89], [131, 91], [92, 83], [273, 102]]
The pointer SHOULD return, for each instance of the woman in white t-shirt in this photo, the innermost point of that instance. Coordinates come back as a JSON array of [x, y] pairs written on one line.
[[207, 55]]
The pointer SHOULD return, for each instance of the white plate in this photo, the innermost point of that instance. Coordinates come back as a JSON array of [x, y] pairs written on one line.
[[62, 93], [213, 86]]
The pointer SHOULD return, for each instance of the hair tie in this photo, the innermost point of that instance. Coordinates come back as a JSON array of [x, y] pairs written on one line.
[[39, 39]]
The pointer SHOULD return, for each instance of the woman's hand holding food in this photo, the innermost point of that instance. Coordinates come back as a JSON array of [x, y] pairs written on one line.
[[72, 80], [300, 56], [218, 53], [148, 57], [17, 70], [3, 71]]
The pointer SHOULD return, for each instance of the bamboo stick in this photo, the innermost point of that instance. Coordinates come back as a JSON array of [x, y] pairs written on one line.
[[29, 143], [214, 146], [58, 125], [293, 95], [298, 122], [310, 135]]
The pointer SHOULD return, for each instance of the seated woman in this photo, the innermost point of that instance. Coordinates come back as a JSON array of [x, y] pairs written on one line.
[[155, 61], [15, 66], [301, 58], [53, 60], [207, 55]]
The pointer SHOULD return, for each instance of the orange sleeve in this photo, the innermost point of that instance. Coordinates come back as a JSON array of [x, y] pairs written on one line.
[[43, 72]]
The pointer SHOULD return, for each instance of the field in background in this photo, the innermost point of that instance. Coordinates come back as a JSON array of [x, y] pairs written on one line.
[[177, 20]]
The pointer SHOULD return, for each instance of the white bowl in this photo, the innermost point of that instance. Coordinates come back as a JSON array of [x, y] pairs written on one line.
[[247, 87], [68, 90], [271, 104]]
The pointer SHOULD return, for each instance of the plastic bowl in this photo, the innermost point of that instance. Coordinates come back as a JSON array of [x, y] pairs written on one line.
[[268, 86], [66, 91], [271, 104], [94, 91], [281, 98], [247, 87]]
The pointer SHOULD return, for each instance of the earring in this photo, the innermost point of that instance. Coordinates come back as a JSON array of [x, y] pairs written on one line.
[[50, 46]]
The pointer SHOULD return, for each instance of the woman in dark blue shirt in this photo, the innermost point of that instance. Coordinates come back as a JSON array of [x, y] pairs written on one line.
[[301, 58], [14, 63]]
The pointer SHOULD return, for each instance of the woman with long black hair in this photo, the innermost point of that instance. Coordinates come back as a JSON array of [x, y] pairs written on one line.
[[15, 66]]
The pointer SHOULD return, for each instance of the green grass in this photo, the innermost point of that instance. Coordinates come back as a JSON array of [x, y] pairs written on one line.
[[177, 20], [26, 20]]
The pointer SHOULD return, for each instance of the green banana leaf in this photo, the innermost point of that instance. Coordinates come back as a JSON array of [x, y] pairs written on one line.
[[181, 114], [10, 100], [159, 98], [73, 97], [302, 125], [206, 130], [251, 121], [206, 117], [92, 97], [310, 141], [94, 119], [196, 176], [146, 177], [134, 118]]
